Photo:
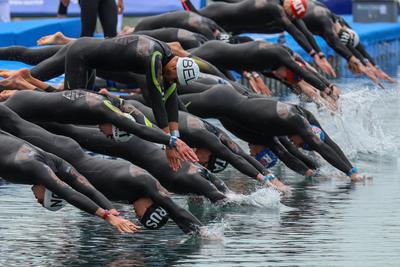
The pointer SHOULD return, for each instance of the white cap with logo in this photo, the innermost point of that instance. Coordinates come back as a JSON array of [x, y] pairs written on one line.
[[52, 202], [187, 70], [119, 135]]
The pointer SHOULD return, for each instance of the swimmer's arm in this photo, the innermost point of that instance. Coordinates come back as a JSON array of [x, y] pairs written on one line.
[[49, 180], [298, 36], [239, 159], [155, 87], [172, 108], [291, 148], [360, 48], [116, 117], [357, 54], [333, 40], [286, 157], [184, 219], [78, 182], [303, 28], [308, 76]]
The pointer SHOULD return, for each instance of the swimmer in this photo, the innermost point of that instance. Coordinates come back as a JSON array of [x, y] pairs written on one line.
[[280, 148], [214, 148], [273, 60], [338, 34], [83, 107], [117, 179], [140, 54], [267, 16], [23, 163], [184, 20], [243, 115], [186, 38]]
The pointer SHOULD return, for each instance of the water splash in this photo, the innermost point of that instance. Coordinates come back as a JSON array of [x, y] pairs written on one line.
[[261, 198], [358, 128], [214, 231]]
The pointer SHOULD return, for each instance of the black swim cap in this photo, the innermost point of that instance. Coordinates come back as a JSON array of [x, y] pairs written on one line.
[[155, 217], [216, 165]]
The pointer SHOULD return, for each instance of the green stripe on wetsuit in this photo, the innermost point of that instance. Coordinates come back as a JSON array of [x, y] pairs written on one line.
[[171, 89]]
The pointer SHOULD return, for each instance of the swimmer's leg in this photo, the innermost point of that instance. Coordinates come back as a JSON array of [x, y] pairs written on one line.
[[28, 55]]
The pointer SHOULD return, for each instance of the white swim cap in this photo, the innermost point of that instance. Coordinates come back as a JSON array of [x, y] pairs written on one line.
[[187, 70], [122, 136], [356, 38], [52, 202]]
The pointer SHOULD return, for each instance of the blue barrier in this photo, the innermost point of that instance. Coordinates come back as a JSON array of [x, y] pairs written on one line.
[[27, 32]]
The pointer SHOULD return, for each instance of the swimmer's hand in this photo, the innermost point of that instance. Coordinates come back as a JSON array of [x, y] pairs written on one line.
[[382, 75], [185, 151], [122, 225], [359, 177], [271, 181], [174, 159], [324, 65]]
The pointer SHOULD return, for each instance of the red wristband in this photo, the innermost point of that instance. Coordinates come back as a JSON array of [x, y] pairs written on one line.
[[106, 214]]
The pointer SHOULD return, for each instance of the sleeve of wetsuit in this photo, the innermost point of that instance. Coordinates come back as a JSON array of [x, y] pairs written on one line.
[[48, 179], [308, 76], [286, 157], [310, 37], [183, 218], [360, 48], [207, 67], [155, 88], [227, 152], [115, 116], [182, 106], [357, 54], [333, 40], [172, 103], [291, 148], [188, 6], [78, 182], [297, 35]]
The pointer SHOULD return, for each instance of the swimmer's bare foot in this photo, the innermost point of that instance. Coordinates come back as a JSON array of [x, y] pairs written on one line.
[[23, 73], [126, 31], [54, 39], [16, 83]]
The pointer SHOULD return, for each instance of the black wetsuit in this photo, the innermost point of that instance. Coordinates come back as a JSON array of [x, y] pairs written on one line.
[[108, 15], [136, 53], [190, 179], [243, 115], [118, 179], [181, 19], [186, 38], [22, 163], [321, 21], [254, 56], [202, 134], [198, 133], [259, 16], [80, 107]]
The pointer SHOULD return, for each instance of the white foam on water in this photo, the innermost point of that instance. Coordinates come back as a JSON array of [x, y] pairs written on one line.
[[262, 198], [214, 231], [359, 127]]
